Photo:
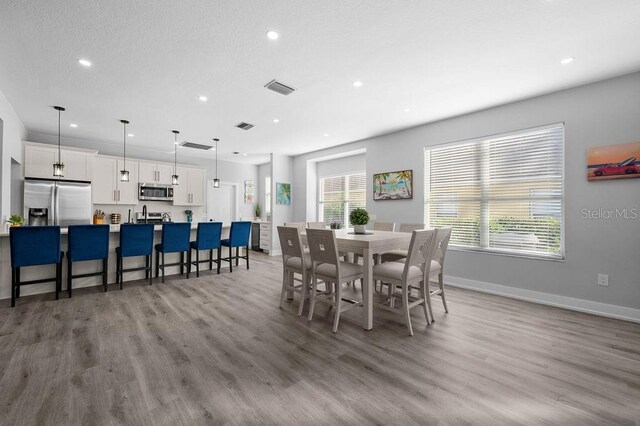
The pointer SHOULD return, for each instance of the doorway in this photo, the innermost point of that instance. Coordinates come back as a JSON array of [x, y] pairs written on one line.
[[222, 202]]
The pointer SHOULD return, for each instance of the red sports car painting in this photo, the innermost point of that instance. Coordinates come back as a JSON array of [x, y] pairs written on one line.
[[614, 162]]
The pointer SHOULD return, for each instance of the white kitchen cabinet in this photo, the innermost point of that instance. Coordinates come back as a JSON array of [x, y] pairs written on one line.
[[39, 159], [190, 190], [155, 173], [107, 187]]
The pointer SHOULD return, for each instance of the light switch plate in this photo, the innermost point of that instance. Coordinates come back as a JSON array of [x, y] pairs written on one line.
[[603, 280]]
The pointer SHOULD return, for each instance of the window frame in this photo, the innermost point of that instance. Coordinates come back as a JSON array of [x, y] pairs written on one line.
[[320, 202], [485, 233]]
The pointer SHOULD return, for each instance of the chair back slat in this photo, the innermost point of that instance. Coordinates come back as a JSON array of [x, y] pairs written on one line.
[[290, 242], [88, 242], [34, 245], [323, 248], [421, 250], [384, 226], [316, 225], [444, 234], [175, 237], [410, 227], [136, 239], [239, 234], [209, 235]]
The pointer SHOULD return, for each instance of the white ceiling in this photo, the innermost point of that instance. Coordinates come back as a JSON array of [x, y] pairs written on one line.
[[152, 59]]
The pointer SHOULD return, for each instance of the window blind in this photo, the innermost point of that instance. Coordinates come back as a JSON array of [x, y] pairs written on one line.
[[503, 193], [339, 195]]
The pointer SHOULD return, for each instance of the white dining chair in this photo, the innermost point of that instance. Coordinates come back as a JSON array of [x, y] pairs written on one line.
[[384, 226], [326, 266], [294, 261], [316, 225], [436, 274], [393, 255], [410, 274], [299, 225]]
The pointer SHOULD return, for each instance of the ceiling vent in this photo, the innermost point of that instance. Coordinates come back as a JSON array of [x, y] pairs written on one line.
[[244, 126], [194, 145], [278, 87]]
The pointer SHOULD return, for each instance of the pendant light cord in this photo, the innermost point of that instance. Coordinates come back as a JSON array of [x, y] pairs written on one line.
[[124, 151], [59, 155], [216, 158]]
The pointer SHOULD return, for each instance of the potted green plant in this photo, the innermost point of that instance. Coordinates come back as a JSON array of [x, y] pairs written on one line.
[[16, 220], [258, 211], [359, 218]]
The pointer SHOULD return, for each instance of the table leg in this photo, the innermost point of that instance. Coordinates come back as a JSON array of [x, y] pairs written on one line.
[[367, 291]]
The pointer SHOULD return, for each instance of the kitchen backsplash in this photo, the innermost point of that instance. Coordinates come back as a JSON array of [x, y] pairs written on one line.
[[177, 212]]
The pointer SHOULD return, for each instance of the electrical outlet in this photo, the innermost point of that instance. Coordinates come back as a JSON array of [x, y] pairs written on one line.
[[603, 280]]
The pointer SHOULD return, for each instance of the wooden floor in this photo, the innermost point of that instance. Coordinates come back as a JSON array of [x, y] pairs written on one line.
[[217, 350]]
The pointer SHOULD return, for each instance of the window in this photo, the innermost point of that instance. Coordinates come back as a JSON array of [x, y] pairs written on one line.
[[339, 195], [267, 195], [502, 193]]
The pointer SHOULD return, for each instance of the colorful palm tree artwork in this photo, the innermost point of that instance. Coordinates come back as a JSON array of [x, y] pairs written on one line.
[[396, 185]]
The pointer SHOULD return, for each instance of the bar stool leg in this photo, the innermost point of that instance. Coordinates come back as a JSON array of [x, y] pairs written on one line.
[[58, 278], [247, 253], [197, 263], [219, 258], [211, 259], [230, 259], [157, 263], [163, 267], [148, 270], [120, 267], [13, 287], [237, 256], [188, 263], [69, 276], [105, 268], [181, 262], [18, 283]]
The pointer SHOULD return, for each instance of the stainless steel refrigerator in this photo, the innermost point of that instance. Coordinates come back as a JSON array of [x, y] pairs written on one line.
[[62, 202]]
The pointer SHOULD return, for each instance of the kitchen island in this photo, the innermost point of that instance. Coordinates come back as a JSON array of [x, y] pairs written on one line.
[[36, 272]]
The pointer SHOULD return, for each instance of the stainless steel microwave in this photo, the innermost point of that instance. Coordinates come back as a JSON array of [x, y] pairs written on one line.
[[155, 192]]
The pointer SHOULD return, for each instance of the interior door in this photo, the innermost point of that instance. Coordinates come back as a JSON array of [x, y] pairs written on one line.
[[221, 203]]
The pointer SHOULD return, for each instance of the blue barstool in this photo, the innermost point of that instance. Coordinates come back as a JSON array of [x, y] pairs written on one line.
[[208, 238], [175, 239], [238, 237], [135, 240], [87, 242], [31, 246]]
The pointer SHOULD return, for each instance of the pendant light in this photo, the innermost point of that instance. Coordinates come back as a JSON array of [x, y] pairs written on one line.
[[216, 181], [58, 168], [124, 173], [174, 177]]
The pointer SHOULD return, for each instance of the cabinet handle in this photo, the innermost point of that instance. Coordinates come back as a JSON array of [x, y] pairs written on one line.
[[118, 195], [157, 175]]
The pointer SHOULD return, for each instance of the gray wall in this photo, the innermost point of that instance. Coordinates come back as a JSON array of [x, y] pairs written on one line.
[[603, 113], [341, 166], [12, 132]]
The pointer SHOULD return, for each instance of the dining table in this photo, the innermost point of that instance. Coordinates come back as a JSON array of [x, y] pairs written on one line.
[[368, 246]]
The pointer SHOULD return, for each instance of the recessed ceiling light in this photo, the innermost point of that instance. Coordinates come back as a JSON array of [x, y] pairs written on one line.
[[74, 125], [244, 155], [84, 62], [357, 83], [407, 109], [567, 61], [202, 98], [326, 134], [275, 120], [130, 135], [272, 35]]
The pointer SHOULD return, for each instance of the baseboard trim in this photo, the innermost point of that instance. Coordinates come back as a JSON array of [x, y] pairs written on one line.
[[571, 303]]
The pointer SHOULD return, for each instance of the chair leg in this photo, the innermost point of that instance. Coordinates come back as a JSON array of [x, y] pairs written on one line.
[[120, 264], [444, 301], [237, 256], [148, 265], [219, 258], [423, 294], [285, 285], [58, 279], [428, 297], [312, 298], [197, 263], [405, 308], [181, 262], [338, 298], [162, 255], [246, 250], [230, 259], [304, 293], [105, 269], [157, 263], [188, 263], [13, 287], [69, 276], [211, 259], [18, 281]]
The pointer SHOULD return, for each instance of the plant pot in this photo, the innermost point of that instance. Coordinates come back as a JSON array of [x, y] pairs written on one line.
[[360, 229], [15, 224]]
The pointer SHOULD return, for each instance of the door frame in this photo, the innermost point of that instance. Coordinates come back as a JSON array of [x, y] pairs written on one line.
[[234, 190]]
